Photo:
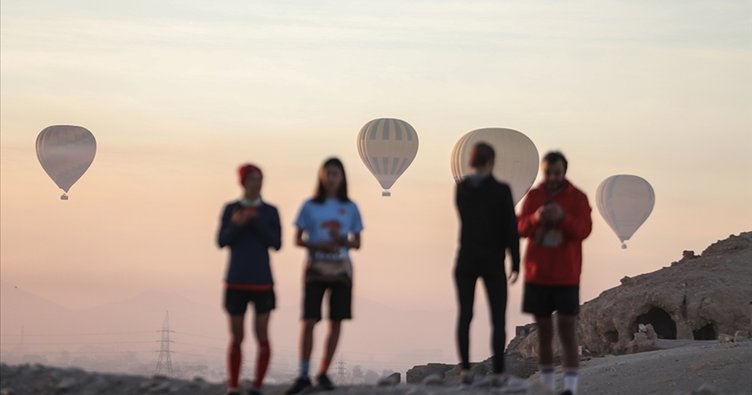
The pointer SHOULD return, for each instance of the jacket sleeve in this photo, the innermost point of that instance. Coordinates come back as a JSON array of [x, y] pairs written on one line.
[[513, 241], [526, 224], [269, 232], [578, 224], [228, 232]]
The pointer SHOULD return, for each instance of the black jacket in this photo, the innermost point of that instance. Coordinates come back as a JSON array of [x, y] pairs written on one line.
[[488, 222]]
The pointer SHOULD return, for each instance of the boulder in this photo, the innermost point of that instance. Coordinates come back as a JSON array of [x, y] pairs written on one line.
[[704, 296]]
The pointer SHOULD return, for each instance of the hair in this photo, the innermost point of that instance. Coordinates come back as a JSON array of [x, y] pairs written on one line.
[[555, 156], [320, 194], [247, 168], [481, 155]]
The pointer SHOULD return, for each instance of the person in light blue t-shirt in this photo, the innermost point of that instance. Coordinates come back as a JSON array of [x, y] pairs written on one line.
[[328, 226]]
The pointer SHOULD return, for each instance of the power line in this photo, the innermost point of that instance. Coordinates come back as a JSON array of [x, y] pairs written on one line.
[[165, 358]]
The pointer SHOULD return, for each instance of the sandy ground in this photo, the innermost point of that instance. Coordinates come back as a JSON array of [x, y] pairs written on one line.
[[683, 368]]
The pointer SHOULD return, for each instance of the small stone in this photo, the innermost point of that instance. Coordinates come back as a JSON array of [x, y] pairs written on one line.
[[433, 379], [705, 389], [391, 380], [66, 384], [740, 336], [724, 338]]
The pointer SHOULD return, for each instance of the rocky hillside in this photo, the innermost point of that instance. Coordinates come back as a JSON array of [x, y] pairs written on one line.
[[700, 297]]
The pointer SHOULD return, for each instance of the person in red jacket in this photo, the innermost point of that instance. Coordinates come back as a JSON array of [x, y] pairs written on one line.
[[555, 219]]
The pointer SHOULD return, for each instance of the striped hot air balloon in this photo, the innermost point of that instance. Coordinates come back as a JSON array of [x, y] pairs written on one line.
[[65, 153], [387, 146], [516, 160]]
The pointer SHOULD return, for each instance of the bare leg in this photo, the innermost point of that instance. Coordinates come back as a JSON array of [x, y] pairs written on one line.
[[566, 326], [306, 340], [332, 339], [545, 340]]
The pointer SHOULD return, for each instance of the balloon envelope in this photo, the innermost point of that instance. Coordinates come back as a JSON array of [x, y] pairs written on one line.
[[516, 160], [625, 202], [387, 147], [65, 153]]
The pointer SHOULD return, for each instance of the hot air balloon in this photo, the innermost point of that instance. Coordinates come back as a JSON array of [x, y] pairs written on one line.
[[625, 202], [387, 146], [65, 153], [516, 160]]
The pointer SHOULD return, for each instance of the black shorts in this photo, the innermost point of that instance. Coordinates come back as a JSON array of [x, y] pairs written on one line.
[[340, 300], [542, 300], [236, 301]]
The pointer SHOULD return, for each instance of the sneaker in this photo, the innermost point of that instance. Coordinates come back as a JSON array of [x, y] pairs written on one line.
[[323, 382], [301, 384], [255, 391]]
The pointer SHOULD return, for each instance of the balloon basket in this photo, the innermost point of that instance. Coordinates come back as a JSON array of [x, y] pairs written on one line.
[[623, 246], [386, 194], [63, 197]]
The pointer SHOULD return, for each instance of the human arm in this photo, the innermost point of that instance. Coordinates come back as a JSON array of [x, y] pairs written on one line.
[[302, 241], [577, 223], [527, 221], [229, 227], [269, 231]]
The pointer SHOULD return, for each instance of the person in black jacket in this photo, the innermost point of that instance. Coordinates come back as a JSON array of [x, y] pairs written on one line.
[[488, 230]]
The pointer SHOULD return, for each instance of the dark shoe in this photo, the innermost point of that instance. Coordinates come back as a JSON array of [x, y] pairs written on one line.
[[301, 384], [255, 391], [323, 382], [233, 392], [567, 392]]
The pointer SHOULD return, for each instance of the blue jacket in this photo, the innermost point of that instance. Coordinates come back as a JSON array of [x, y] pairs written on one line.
[[249, 245]]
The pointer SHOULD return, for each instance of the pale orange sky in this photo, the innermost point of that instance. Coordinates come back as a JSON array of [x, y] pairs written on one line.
[[178, 96]]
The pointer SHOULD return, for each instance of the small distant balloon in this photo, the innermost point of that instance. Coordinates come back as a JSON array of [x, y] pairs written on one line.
[[387, 147], [516, 160], [625, 202], [65, 153]]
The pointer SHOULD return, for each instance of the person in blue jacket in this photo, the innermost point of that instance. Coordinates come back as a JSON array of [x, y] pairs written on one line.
[[249, 227]]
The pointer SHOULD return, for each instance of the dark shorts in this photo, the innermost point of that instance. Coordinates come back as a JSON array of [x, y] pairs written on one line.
[[542, 300], [236, 301], [340, 300]]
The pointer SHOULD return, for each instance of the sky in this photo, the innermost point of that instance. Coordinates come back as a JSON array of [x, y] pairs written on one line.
[[179, 93]]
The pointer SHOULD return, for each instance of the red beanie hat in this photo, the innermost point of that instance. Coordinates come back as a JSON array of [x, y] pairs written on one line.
[[246, 169]]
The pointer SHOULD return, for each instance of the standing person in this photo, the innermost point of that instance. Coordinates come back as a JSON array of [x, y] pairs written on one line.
[[488, 230], [328, 226], [556, 219], [249, 228]]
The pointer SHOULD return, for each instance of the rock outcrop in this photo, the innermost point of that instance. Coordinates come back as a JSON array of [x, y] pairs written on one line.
[[696, 298]]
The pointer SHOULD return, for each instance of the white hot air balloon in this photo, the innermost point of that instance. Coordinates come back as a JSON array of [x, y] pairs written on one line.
[[65, 153], [516, 160], [625, 202], [387, 146]]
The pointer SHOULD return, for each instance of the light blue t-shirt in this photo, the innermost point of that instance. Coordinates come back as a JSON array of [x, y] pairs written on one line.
[[321, 220]]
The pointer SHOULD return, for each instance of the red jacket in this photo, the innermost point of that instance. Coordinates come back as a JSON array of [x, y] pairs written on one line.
[[559, 265]]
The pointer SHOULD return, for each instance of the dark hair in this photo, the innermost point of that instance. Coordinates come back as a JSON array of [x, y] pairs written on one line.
[[555, 156], [482, 154], [320, 195]]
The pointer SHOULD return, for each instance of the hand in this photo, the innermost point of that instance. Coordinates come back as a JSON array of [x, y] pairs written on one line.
[[550, 213], [513, 276], [240, 217]]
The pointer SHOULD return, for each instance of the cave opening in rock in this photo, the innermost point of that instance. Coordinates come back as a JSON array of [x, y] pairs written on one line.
[[612, 336], [664, 326], [707, 332]]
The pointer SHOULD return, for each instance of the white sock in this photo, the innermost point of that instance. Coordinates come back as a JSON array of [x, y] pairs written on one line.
[[570, 381], [547, 377]]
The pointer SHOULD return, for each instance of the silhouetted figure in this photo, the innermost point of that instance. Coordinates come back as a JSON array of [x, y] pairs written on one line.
[[488, 231], [556, 219], [249, 228], [328, 226]]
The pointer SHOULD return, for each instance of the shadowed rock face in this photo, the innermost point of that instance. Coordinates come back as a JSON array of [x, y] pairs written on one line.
[[696, 298]]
